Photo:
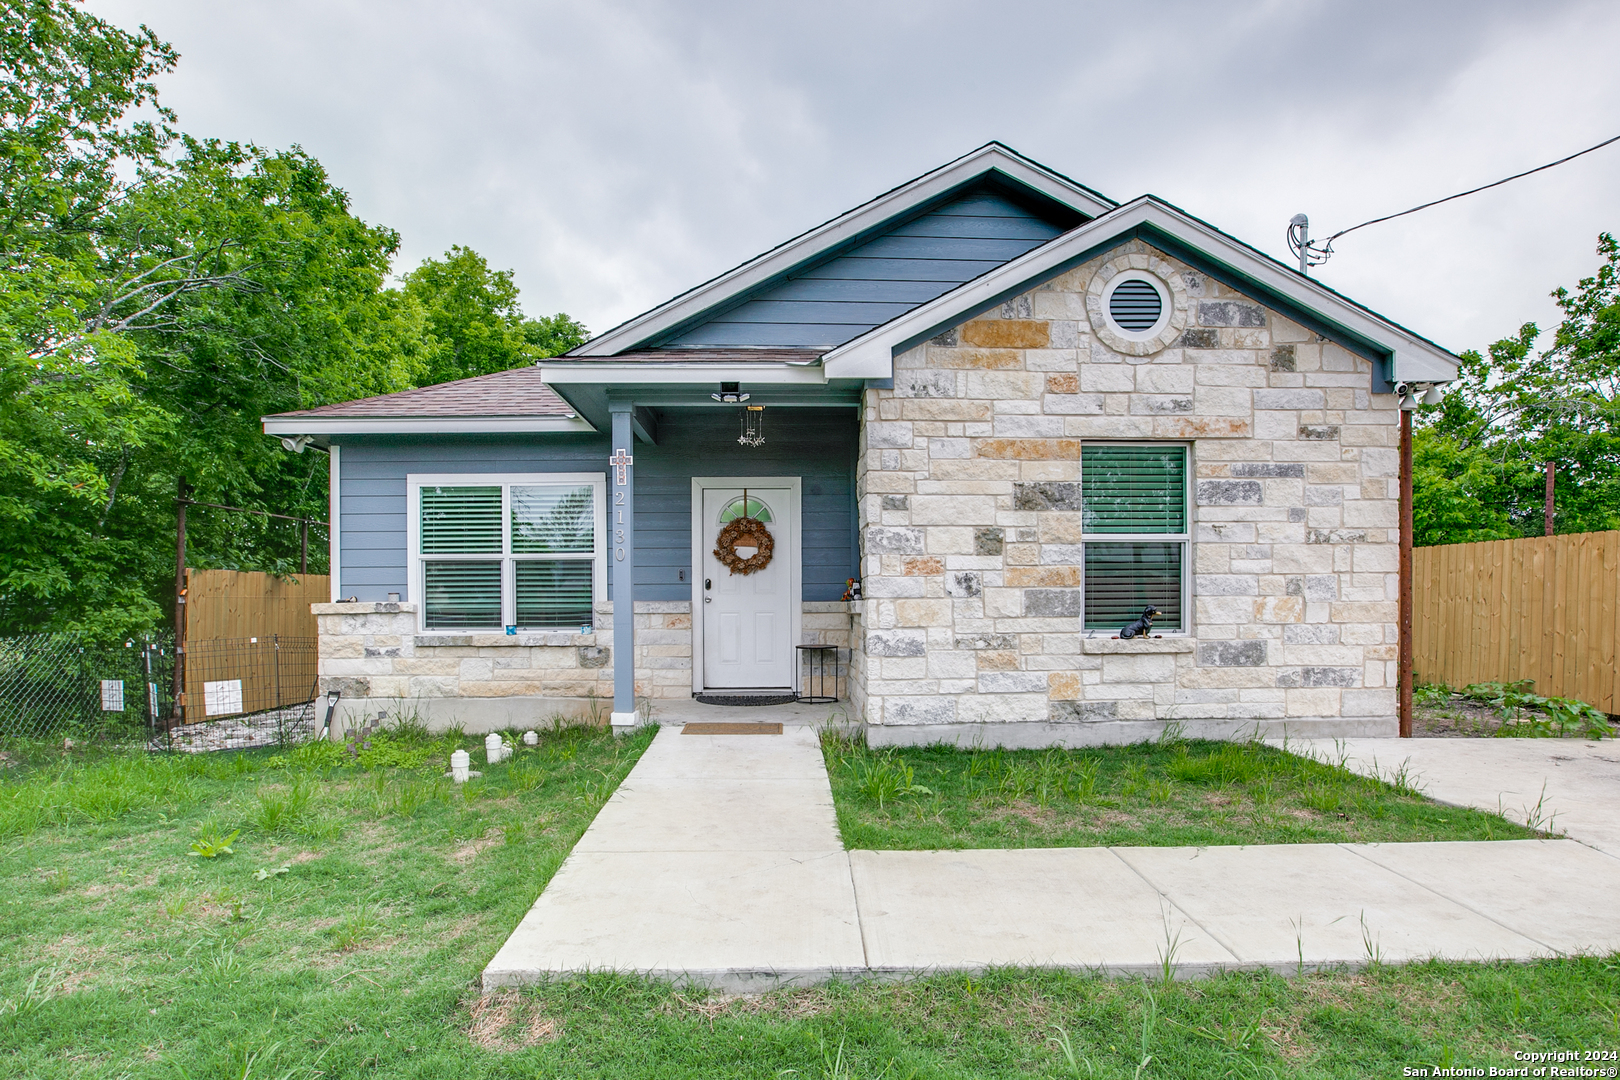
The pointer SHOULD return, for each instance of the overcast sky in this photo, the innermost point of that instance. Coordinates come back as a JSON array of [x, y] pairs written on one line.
[[615, 153]]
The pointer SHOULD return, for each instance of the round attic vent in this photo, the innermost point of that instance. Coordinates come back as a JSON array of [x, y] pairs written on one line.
[[1135, 305]]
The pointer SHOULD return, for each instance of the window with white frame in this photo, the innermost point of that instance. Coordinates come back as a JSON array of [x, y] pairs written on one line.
[[1135, 533], [524, 551]]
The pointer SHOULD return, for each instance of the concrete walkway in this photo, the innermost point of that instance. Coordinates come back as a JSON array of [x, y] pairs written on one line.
[[1572, 785], [718, 862]]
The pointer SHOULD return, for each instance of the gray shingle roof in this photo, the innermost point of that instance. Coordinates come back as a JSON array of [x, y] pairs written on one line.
[[518, 392]]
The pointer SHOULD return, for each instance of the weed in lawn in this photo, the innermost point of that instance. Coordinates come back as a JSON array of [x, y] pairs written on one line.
[[280, 809], [209, 844], [355, 927], [1073, 1058], [885, 779], [34, 995], [265, 873], [57, 880], [1431, 694], [1081, 781], [1538, 817], [1150, 1019]]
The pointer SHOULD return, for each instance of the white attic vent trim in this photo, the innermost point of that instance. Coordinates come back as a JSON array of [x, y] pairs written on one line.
[[1135, 305]]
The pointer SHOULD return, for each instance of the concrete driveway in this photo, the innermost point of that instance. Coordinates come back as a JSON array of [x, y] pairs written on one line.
[[1571, 785]]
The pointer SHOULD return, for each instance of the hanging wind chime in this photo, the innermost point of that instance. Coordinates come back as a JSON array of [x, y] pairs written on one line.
[[753, 426]]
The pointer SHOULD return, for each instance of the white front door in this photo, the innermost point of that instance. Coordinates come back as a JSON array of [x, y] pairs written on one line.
[[746, 620]]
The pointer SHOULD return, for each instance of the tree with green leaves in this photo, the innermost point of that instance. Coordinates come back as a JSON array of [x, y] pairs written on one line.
[[159, 294], [476, 322], [1479, 456]]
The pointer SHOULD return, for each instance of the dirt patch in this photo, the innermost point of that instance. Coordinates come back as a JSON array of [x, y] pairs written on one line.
[[1459, 718], [470, 851], [508, 1021], [304, 857]]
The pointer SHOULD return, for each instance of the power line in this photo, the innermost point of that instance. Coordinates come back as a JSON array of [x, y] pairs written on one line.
[[1312, 253], [1474, 191]]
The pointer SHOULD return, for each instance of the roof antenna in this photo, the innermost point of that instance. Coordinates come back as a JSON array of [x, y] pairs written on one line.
[[1299, 242]]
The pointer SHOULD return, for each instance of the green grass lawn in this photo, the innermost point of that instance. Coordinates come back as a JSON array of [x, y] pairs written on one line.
[[127, 956], [1154, 794]]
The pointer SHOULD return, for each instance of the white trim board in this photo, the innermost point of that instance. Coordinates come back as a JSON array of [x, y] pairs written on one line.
[[871, 356], [562, 373], [422, 425], [795, 484], [334, 514], [415, 482], [964, 170]]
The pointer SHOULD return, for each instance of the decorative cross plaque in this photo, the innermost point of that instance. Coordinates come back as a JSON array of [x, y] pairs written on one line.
[[620, 460]]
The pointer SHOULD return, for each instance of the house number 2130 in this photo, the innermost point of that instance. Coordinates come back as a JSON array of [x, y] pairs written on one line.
[[621, 462]]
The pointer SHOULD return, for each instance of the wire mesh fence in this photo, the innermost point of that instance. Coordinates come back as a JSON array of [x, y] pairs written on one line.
[[242, 692], [237, 693], [66, 686]]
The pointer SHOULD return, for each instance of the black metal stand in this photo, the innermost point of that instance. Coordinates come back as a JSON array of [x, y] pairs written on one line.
[[817, 671]]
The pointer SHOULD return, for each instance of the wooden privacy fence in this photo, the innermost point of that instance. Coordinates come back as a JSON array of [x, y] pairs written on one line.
[[250, 641], [1543, 608]]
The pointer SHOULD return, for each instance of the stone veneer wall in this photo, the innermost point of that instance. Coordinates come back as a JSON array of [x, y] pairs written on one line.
[[374, 654], [969, 500]]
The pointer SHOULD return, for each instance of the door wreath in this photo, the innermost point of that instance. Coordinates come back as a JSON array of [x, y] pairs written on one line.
[[744, 532]]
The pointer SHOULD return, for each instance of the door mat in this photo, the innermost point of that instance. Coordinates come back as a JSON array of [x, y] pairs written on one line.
[[705, 728], [746, 699]]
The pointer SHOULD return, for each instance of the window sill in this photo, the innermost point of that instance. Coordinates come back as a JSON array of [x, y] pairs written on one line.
[[1181, 643], [429, 639]]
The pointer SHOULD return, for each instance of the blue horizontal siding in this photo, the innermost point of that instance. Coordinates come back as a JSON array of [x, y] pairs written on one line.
[[881, 279], [814, 444]]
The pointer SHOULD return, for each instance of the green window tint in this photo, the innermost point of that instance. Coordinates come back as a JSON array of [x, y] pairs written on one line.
[[553, 595], [461, 521], [463, 595], [1122, 579], [553, 519], [1134, 489], [735, 509]]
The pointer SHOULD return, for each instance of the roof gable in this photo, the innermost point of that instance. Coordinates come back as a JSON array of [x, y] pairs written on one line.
[[1400, 354], [824, 305], [991, 182]]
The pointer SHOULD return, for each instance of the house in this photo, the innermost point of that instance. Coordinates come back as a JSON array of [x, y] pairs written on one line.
[[1017, 411]]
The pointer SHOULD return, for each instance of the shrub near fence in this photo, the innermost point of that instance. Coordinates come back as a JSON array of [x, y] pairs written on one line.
[[61, 685], [1543, 608]]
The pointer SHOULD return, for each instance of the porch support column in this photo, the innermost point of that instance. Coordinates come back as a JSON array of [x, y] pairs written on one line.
[[622, 558]]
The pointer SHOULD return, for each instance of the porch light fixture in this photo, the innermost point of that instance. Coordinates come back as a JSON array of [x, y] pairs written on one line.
[[730, 394], [753, 425]]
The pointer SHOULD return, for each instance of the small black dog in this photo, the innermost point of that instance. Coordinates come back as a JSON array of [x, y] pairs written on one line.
[[1143, 626]]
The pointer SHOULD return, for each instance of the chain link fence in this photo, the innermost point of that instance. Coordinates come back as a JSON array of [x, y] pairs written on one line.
[[238, 693], [66, 686]]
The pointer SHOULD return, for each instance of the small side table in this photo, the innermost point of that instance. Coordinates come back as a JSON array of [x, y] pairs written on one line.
[[819, 664]]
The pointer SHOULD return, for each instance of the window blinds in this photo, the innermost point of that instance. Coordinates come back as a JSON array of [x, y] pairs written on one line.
[[462, 595], [553, 595], [1122, 579], [461, 521], [1134, 489]]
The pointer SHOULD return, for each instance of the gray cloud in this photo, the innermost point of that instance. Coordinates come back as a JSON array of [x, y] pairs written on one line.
[[618, 152]]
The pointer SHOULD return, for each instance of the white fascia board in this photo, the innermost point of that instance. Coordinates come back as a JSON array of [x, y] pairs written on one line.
[[871, 356], [323, 427], [608, 373], [712, 293]]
